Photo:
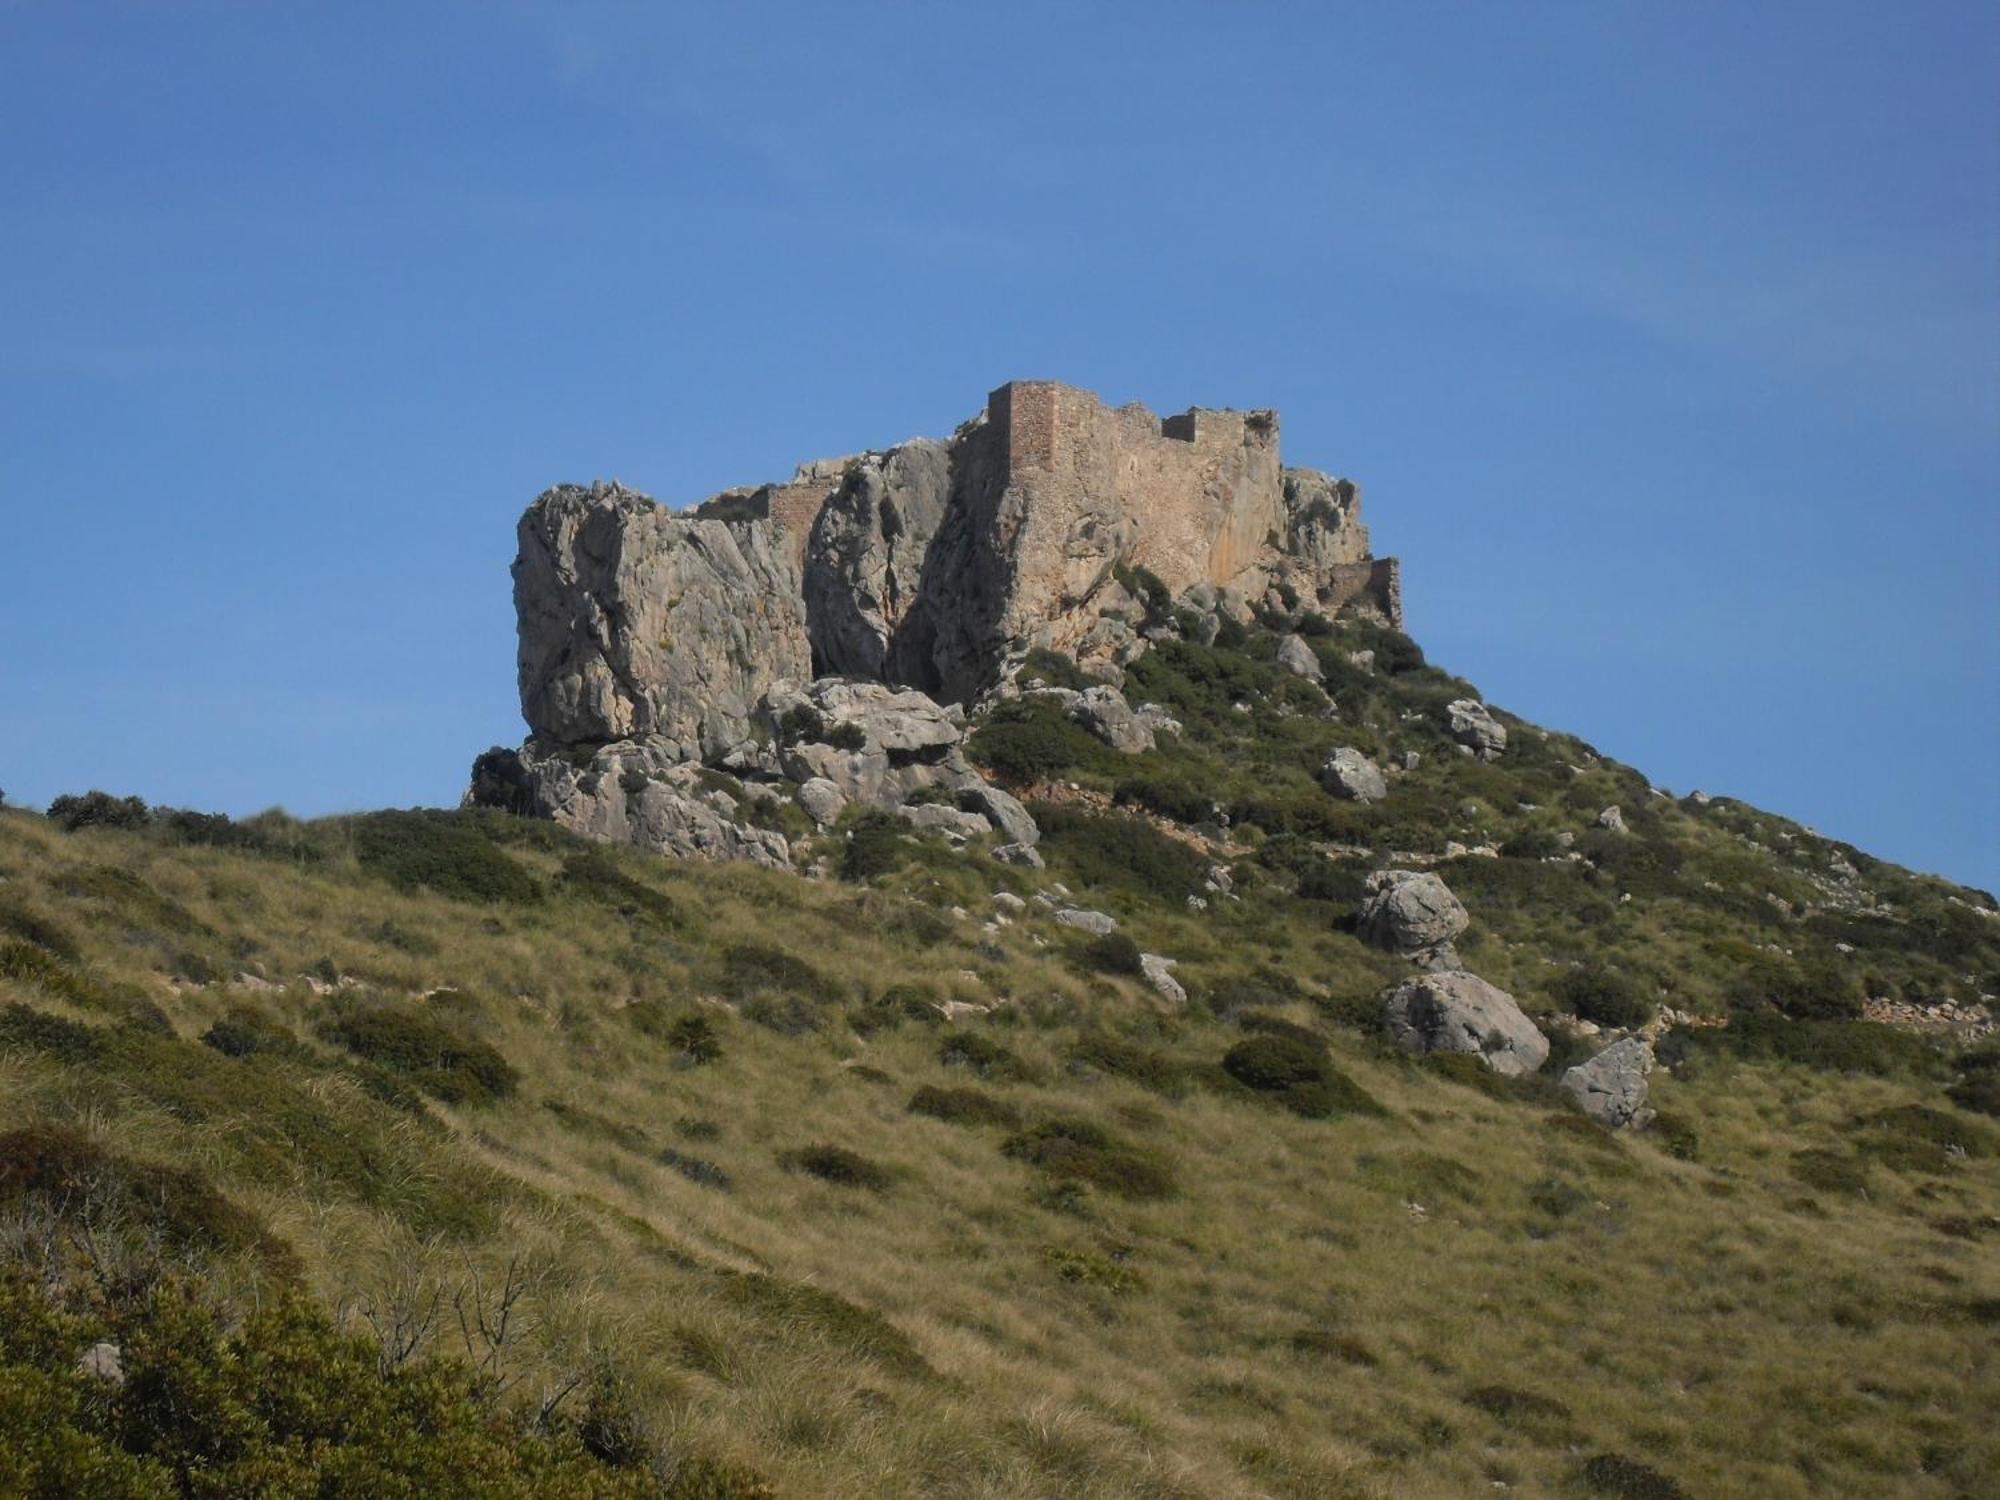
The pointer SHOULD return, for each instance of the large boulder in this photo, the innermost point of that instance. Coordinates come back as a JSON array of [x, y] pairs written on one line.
[[636, 792], [1105, 713], [1611, 1087], [1296, 657], [1350, 774], [1409, 911], [1456, 1011], [639, 624], [1472, 724]]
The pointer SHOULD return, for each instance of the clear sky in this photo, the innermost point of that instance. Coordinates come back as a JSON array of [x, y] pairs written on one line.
[[1663, 339]]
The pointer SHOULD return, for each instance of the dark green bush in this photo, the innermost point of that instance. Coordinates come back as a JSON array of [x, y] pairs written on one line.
[[693, 1036], [595, 875], [894, 1006], [1031, 739], [1273, 1063], [1104, 1273], [1511, 1406], [696, 1169], [29, 923], [95, 809], [1169, 794], [282, 1403], [436, 1058], [1080, 1151], [877, 843], [753, 969], [442, 852], [1603, 995], [1109, 1054], [1977, 1086], [69, 1041], [1319, 1342], [1112, 953], [1624, 1478], [963, 1106], [1118, 850], [1834, 1046], [1055, 669], [839, 1166], [796, 1304]]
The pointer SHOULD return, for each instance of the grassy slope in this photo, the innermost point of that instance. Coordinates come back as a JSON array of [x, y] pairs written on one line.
[[1464, 1288]]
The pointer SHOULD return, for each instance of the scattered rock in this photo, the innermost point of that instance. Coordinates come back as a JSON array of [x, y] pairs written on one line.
[[1296, 657], [1105, 713], [1095, 923], [1410, 911], [822, 800], [935, 817], [1611, 1087], [1473, 726], [1002, 808], [1025, 855], [1457, 1011], [1010, 903], [1612, 819], [1350, 774], [1159, 974]]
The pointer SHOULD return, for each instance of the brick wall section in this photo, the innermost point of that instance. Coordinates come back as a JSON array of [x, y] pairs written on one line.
[[794, 508]]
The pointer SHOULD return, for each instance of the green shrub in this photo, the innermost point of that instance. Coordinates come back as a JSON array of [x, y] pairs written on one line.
[[1112, 953], [984, 1056], [1603, 995], [839, 1166], [1086, 1268], [1145, 1067], [963, 1106], [877, 843], [442, 852], [1316, 1341], [1832, 1046], [282, 1403], [1070, 1149], [594, 875], [95, 809], [1513, 1407], [30, 924], [1031, 739], [795, 1304], [1169, 794], [434, 1057], [895, 1005], [696, 1169], [753, 969], [1271, 1063], [1977, 1086], [37, 1031], [1677, 1136], [1054, 668], [693, 1036], [1624, 1478], [1118, 850]]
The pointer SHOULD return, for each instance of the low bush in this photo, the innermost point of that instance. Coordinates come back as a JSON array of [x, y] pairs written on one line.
[[1031, 739], [1511, 1406], [877, 843], [839, 1166], [795, 1304], [753, 969], [1622, 1478], [442, 852], [1104, 1053], [1080, 1151], [1112, 953], [1272, 1063], [963, 1106], [1168, 794], [1977, 1086], [594, 875], [984, 1056], [1103, 1273], [55, 1036], [1315, 1341], [894, 1006], [1055, 669], [696, 1169], [282, 1403], [1115, 849], [1603, 995], [1832, 1046], [436, 1058], [95, 809]]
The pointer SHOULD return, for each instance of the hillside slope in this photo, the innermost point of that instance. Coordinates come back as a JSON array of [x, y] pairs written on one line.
[[705, 1178]]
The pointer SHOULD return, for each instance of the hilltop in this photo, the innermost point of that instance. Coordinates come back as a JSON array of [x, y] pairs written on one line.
[[1000, 970]]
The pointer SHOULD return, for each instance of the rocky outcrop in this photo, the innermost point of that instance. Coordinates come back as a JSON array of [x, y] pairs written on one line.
[[828, 632], [1456, 1011], [1296, 657], [1409, 912], [1473, 726], [1611, 1087], [638, 624]]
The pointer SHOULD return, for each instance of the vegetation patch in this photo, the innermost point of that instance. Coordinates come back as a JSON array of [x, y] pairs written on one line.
[[1622, 1478], [1074, 1150], [1120, 851], [1298, 1074], [816, 1313], [441, 852], [1101, 1052], [839, 1166], [984, 1056], [963, 1106], [1087, 1268], [436, 1058]]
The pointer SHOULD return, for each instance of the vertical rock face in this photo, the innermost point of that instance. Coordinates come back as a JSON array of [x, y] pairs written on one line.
[[651, 640], [638, 623]]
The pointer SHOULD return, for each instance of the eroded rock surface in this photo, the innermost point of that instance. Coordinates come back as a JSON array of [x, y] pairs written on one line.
[[1457, 1011], [1409, 911], [1611, 1087]]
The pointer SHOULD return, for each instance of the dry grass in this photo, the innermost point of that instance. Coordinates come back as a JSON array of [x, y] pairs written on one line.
[[1454, 1294]]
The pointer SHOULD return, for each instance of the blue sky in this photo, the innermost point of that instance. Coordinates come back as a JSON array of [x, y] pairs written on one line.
[[1664, 341]]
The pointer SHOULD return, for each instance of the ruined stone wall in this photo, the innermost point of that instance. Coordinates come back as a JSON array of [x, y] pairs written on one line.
[[793, 509], [1378, 581]]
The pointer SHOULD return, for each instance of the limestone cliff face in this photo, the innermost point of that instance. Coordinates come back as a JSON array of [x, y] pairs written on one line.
[[650, 640], [637, 623]]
